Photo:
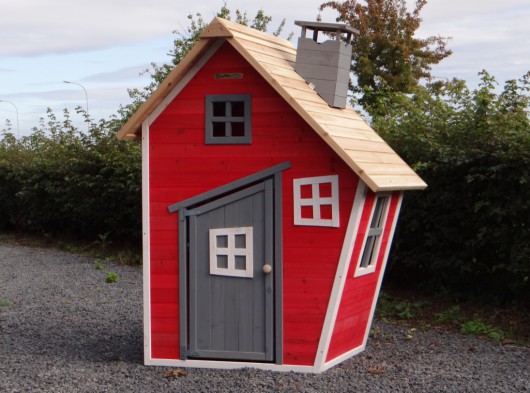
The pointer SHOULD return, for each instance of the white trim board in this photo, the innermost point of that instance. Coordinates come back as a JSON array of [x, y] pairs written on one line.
[[340, 277], [184, 81], [146, 242], [217, 364]]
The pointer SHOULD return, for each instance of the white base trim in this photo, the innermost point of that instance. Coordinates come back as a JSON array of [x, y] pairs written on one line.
[[217, 364], [342, 358]]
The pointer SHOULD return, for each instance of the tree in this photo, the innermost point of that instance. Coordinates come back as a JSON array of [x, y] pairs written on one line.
[[386, 54]]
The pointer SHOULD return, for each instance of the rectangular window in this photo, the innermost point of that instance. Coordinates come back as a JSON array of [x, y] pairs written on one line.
[[372, 243], [231, 252], [316, 201], [227, 119]]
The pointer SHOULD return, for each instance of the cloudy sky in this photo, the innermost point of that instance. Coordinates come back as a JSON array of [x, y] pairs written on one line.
[[104, 45]]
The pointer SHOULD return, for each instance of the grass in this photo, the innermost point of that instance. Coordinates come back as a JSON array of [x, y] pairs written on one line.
[[415, 310], [5, 303]]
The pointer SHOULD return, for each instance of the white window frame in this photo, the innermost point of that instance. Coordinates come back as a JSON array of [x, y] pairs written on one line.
[[231, 252], [373, 237], [316, 201]]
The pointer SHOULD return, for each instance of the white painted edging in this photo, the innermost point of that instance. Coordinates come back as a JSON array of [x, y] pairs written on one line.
[[146, 242], [340, 277], [229, 365]]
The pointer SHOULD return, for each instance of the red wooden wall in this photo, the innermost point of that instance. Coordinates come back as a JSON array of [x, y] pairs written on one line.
[[182, 166], [359, 292]]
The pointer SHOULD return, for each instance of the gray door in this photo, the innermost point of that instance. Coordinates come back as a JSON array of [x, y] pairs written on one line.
[[230, 277]]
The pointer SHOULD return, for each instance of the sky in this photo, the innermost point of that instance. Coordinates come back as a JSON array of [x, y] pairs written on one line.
[[104, 46]]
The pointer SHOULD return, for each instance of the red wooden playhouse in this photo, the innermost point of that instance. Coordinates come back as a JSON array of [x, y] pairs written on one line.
[[268, 205]]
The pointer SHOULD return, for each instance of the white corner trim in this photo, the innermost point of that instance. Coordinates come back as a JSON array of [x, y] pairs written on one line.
[[316, 201], [146, 241], [340, 277], [383, 267], [218, 364], [185, 80]]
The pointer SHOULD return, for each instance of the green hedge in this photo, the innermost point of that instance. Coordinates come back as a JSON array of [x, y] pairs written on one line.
[[61, 181], [468, 234]]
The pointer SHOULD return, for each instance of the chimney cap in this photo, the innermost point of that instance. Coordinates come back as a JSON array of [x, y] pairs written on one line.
[[327, 27]]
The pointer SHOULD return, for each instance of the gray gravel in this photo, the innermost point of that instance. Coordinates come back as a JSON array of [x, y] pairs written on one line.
[[64, 329]]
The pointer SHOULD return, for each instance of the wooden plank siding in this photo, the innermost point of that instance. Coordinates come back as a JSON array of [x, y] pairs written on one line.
[[359, 292], [182, 166]]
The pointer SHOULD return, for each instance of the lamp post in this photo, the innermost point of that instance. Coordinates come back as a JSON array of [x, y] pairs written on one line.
[[86, 98], [16, 109]]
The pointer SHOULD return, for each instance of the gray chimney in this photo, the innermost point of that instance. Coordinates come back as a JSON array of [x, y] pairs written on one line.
[[326, 65]]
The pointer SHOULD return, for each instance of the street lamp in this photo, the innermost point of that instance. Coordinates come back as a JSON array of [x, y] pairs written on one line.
[[16, 109], [86, 96]]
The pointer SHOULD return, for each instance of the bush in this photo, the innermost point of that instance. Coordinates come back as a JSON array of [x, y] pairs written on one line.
[[62, 181], [467, 234]]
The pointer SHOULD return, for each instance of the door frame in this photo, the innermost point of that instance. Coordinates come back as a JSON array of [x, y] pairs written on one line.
[[186, 208]]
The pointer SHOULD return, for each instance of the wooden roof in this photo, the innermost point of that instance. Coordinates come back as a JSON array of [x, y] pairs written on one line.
[[361, 148]]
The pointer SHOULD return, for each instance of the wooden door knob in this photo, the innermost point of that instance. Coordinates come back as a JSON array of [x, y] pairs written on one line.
[[267, 269]]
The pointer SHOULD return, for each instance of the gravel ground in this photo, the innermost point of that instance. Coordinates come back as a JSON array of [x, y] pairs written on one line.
[[64, 329]]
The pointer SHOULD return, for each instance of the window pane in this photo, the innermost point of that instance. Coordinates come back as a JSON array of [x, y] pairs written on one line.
[[306, 191], [325, 190], [326, 212], [219, 108], [222, 241], [218, 129], [238, 108], [240, 262], [368, 251], [380, 204], [222, 261], [240, 241], [307, 212], [238, 129]]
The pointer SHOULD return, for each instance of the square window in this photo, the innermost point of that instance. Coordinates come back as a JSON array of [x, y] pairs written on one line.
[[316, 201], [228, 119], [231, 252]]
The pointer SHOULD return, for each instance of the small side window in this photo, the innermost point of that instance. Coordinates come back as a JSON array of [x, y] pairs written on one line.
[[372, 243], [228, 119]]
